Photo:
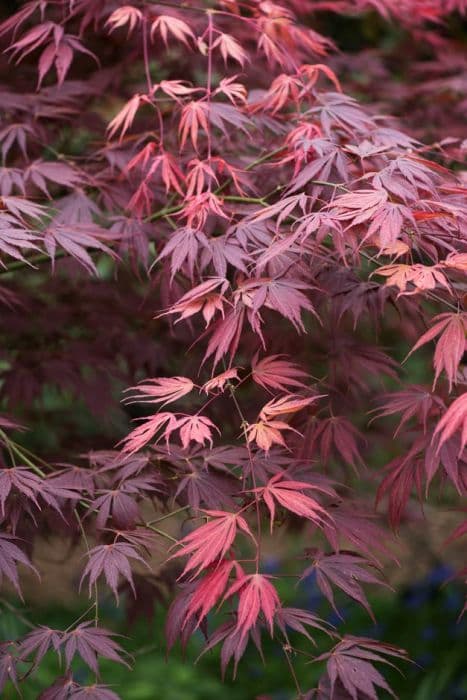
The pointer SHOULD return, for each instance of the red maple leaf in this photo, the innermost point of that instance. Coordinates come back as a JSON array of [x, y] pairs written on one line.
[[404, 474], [413, 402], [266, 433], [196, 429], [450, 347], [122, 16], [454, 420], [160, 390], [126, 116], [256, 595], [209, 591], [175, 26], [275, 372], [211, 542], [289, 494], [140, 436], [220, 380]]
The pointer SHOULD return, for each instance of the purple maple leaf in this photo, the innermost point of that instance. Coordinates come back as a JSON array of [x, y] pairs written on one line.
[[111, 560], [89, 643]]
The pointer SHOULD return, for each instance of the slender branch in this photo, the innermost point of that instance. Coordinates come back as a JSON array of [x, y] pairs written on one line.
[[244, 423], [147, 69], [336, 185], [167, 515], [161, 533], [209, 86], [245, 200], [88, 549], [31, 262], [164, 212], [16, 449], [81, 617], [38, 259], [181, 6], [285, 649], [17, 613]]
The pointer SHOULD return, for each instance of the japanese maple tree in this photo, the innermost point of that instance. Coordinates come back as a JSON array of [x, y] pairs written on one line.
[[210, 226]]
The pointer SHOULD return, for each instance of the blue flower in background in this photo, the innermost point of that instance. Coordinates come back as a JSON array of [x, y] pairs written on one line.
[[453, 600], [82, 675], [455, 692], [374, 632], [416, 596], [313, 602], [429, 632], [108, 608], [314, 597], [439, 574], [255, 671], [336, 618], [272, 565], [309, 582], [457, 628], [425, 659]]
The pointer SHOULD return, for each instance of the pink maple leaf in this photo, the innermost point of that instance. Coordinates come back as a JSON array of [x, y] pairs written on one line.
[[211, 541], [256, 595]]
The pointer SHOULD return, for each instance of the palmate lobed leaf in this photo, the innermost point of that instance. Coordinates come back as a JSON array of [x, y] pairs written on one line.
[[288, 494], [234, 644], [404, 475], [141, 435], [208, 592], [350, 664], [212, 541], [336, 435], [298, 620], [220, 381], [66, 688], [76, 241], [161, 390], [10, 557], [206, 487], [112, 561], [413, 402], [275, 372], [286, 405], [198, 429], [256, 595], [123, 16], [450, 347], [454, 420], [347, 572], [266, 433], [90, 642], [8, 665], [84, 640]]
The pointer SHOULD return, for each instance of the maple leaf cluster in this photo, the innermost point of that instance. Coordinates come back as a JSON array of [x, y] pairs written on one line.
[[197, 215]]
